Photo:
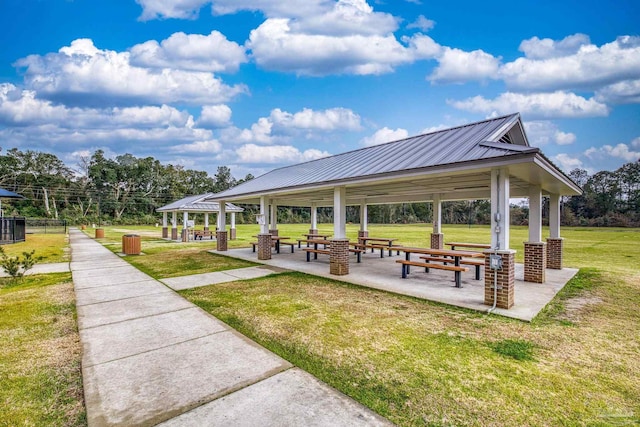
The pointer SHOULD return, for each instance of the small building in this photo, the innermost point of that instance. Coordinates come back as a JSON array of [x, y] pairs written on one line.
[[197, 205], [489, 159]]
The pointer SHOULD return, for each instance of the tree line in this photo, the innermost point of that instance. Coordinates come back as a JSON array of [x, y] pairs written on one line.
[[127, 190]]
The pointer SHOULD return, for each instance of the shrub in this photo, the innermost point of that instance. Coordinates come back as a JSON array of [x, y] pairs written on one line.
[[15, 266]]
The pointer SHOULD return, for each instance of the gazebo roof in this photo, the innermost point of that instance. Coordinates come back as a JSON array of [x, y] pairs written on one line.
[[197, 204], [454, 163]]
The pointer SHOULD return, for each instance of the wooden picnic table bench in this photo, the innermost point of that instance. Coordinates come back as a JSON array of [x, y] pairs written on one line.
[[276, 242], [468, 245], [455, 256], [199, 234], [315, 251], [455, 268], [477, 263]]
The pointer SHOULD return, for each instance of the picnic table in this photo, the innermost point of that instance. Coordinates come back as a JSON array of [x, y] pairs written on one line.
[[456, 255], [309, 237], [325, 251], [468, 245], [384, 242], [278, 240]]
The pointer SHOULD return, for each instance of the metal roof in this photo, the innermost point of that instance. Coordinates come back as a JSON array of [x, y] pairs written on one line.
[[198, 203], [499, 138], [9, 194]]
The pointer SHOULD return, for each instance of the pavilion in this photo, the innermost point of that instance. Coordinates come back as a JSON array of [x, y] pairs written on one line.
[[490, 159], [197, 205]]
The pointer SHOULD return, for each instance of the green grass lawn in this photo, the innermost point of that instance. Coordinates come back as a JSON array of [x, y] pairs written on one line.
[[40, 378], [51, 247], [422, 363]]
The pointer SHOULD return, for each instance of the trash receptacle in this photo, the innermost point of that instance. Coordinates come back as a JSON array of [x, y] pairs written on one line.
[[99, 233], [131, 244]]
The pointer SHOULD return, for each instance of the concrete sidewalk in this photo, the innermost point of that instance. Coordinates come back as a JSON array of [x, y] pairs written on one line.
[[150, 356]]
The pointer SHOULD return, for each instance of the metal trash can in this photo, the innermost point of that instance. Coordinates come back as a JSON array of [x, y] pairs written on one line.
[[99, 233], [131, 244]]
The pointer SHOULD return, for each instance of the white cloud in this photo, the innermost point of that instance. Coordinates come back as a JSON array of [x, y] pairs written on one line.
[[620, 151], [535, 106], [384, 135], [275, 46], [214, 116], [347, 17], [567, 162], [458, 66], [252, 153], [271, 8], [326, 120], [536, 48], [281, 125], [210, 146], [422, 23], [625, 92], [589, 67], [23, 108], [81, 74], [546, 132], [181, 9], [636, 143], [213, 53]]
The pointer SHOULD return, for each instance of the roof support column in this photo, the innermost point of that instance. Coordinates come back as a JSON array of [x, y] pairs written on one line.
[[437, 238], [206, 221], [339, 212], [314, 219], [221, 232], [174, 225], [535, 251], [232, 231], [264, 222], [535, 214], [264, 239], [499, 284], [554, 242], [500, 209], [364, 218], [185, 226], [165, 229], [273, 230], [339, 251]]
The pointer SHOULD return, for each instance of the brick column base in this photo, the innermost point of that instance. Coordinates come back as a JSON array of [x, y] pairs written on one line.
[[273, 232], [313, 231], [221, 240], [232, 234], [205, 228], [165, 232], [363, 233], [506, 278], [535, 262], [264, 246], [339, 257], [174, 234], [554, 253], [185, 235], [437, 241]]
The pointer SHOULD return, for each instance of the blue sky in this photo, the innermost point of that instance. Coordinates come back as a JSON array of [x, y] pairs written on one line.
[[256, 84]]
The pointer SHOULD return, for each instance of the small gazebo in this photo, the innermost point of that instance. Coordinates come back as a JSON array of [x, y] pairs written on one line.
[[197, 205], [491, 159]]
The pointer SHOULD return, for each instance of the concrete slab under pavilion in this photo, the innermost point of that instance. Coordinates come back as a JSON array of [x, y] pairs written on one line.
[[437, 285]]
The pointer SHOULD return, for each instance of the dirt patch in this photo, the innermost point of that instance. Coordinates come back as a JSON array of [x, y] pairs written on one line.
[[575, 307]]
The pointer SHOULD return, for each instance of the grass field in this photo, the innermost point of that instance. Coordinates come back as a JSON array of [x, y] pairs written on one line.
[[40, 378], [421, 363], [51, 247]]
